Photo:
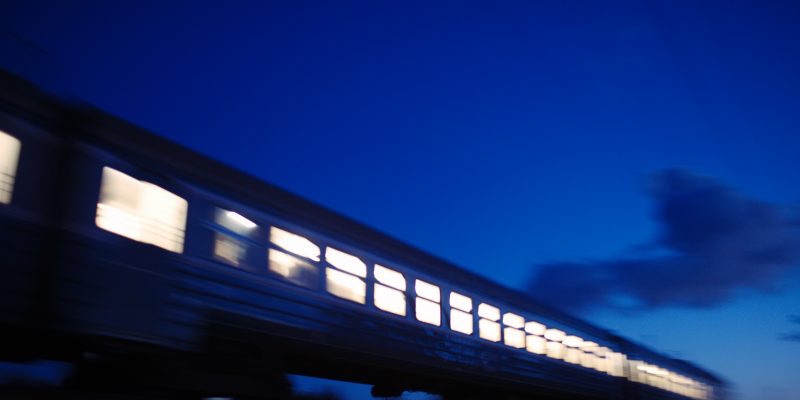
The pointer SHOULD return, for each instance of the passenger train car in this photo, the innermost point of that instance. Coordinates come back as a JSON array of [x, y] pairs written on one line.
[[134, 257]]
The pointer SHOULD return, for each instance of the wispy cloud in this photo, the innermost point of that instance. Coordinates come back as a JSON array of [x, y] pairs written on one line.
[[713, 242]]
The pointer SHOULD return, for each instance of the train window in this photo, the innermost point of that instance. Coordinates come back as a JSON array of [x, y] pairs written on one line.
[[536, 344], [230, 245], [512, 334], [390, 278], [555, 350], [389, 290], [141, 211], [535, 328], [428, 309], [294, 269], [346, 262], [345, 279], [572, 355], [460, 313], [294, 243], [488, 327], [554, 335], [616, 364], [9, 158], [346, 286], [572, 341]]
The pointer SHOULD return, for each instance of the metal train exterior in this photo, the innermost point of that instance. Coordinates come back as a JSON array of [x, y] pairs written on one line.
[[120, 245]]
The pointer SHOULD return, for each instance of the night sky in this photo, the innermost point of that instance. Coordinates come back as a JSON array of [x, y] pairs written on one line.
[[516, 139]]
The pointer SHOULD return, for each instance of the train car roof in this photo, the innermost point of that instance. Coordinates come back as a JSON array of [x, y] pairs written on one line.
[[140, 145]]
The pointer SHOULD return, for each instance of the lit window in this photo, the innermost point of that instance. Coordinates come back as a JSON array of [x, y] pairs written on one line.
[[588, 359], [428, 291], [427, 305], [346, 286], [489, 330], [554, 335], [572, 355], [536, 344], [535, 328], [555, 350], [345, 281], [346, 262], [461, 302], [572, 341], [9, 158], [488, 327], [294, 243], [389, 290], [460, 313], [513, 335], [390, 278], [294, 269], [588, 346], [141, 211], [229, 243], [616, 364]]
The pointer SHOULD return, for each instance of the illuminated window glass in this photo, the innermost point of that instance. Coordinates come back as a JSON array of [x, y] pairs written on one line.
[[9, 158], [535, 328], [295, 269], [346, 286], [344, 278], [572, 355], [572, 341], [588, 359], [554, 335], [230, 243], [512, 334], [460, 313], [389, 290], [294, 243], [536, 344], [488, 327], [428, 309], [555, 350], [346, 262], [141, 211]]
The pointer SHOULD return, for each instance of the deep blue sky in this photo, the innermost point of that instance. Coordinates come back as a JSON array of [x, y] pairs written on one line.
[[498, 136]]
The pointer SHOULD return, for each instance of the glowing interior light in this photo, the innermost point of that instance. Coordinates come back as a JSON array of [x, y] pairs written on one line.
[[554, 335], [240, 220], [293, 268], [461, 321], [513, 320], [514, 337], [489, 330], [460, 302], [9, 158], [600, 351], [572, 356], [489, 312], [390, 300], [346, 262], [390, 277], [428, 311], [141, 211], [427, 291], [555, 350], [587, 346], [535, 328], [572, 341], [536, 344], [588, 359], [345, 285], [294, 243]]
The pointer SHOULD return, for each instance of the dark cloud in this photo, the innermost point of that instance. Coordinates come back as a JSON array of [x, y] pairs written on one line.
[[713, 243], [793, 336]]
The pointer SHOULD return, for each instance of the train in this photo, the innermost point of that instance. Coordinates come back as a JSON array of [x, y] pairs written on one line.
[[148, 265]]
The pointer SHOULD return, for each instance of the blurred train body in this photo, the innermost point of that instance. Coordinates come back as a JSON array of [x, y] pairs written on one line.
[[164, 268]]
